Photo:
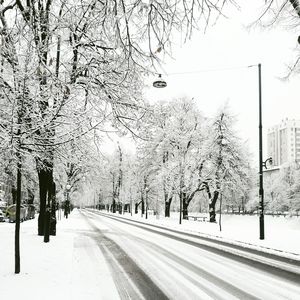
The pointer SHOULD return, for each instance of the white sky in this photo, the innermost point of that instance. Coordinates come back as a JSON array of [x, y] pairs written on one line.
[[229, 45]]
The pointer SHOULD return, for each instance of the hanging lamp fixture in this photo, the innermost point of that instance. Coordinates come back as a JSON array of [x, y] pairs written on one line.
[[159, 83]]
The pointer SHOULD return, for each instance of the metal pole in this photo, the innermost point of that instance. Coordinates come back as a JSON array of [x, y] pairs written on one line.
[[261, 188], [180, 206], [180, 193], [146, 204], [220, 217], [18, 211]]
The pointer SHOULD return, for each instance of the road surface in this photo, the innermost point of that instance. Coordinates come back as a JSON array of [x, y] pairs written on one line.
[[150, 263]]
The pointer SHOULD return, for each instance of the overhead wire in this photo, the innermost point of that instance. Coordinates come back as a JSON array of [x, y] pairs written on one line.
[[207, 70]]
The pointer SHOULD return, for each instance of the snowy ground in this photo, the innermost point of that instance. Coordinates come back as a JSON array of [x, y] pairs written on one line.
[[282, 234], [56, 270], [72, 266]]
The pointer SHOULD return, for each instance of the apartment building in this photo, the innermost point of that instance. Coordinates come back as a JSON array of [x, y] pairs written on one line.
[[284, 142]]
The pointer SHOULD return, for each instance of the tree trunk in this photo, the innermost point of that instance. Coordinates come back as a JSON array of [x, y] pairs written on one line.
[[114, 206], [143, 206], [53, 210], [43, 182], [47, 225], [168, 201], [185, 204], [45, 185], [212, 207], [167, 209]]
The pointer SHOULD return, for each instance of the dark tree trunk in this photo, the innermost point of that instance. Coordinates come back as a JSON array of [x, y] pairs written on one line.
[[53, 210], [136, 208], [168, 201], [185, 204], [114, 206], [43, 185], [185, 212], [212, 207], [143, 205], [212, 213], [47, 225], [46, 186], [167, 209]]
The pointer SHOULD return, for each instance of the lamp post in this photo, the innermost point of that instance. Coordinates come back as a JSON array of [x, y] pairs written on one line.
[[262, 164], [261, 182]]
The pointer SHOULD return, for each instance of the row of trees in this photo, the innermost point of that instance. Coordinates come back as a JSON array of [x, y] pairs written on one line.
[[186, 159], [71, 67], [183, 162], [71, 71], [183, 155]]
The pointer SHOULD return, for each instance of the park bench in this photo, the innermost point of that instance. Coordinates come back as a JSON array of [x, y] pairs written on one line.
[[197, 218]]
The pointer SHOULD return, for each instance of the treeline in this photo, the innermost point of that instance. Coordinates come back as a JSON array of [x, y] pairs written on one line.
[[184, 161]]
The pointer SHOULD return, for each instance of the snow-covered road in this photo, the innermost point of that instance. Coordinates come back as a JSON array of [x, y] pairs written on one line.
[[146, 264]]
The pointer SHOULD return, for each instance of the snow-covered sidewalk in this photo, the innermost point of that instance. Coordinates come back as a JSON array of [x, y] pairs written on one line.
[[69, 267]]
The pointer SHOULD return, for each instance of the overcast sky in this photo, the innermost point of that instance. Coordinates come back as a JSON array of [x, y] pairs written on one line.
[[230, 47]]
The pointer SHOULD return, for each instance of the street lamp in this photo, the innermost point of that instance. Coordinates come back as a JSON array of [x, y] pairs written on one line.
[[270, 160], [159, 83], [260, 146], [262, 163]]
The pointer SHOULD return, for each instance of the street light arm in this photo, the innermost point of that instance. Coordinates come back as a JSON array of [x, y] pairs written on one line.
[[264, 163]]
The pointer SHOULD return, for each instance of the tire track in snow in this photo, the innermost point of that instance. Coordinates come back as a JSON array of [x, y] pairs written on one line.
[[131, 281], [207, 282], [256, 261]]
